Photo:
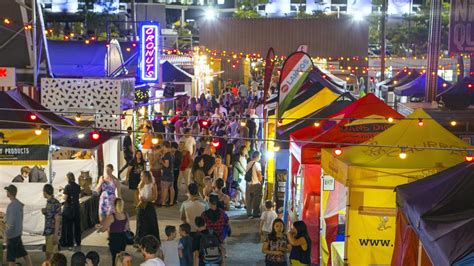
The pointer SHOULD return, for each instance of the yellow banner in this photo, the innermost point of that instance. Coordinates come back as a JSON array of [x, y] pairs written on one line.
[[24, 147]]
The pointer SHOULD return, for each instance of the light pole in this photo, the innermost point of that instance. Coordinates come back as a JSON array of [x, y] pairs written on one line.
[[433, 51], [382, 40]]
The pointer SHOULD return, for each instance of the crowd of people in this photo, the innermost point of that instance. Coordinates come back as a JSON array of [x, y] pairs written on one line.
[[207, 158]]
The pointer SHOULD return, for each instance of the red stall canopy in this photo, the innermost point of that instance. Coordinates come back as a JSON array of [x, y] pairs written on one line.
[[356, 123]]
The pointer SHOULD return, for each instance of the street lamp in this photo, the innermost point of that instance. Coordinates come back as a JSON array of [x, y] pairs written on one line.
[[210, 14]]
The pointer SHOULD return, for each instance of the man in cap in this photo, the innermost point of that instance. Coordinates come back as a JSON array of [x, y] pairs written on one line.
[[14, 228]]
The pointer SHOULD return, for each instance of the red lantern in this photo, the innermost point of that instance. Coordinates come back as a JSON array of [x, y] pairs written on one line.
[[33, 117], [215, 143], [338, 151], [95, 135]]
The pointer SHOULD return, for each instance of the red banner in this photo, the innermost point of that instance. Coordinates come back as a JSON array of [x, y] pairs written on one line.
[[269, 65]]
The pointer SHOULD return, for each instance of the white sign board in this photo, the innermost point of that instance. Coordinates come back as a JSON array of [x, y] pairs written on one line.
[[7, 77], [328, 183]]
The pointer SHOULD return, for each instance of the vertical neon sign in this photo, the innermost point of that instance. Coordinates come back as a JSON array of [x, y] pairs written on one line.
[[149, 64]]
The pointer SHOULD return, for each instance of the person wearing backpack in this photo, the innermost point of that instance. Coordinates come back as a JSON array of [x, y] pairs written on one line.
[[216, 220], [206, 245], [254, 178]]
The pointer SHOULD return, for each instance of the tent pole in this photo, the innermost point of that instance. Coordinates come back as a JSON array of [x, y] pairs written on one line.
[[50, 156], [348, 205], [321, 216], [420, 250]]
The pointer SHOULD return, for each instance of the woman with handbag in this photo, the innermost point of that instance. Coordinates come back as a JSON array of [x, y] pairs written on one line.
[[147, 222], [119, 229]]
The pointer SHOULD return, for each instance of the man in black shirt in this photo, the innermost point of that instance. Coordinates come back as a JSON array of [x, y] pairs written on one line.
[[127, 150], [201, 231], [71, 227], [209, 159], [158, 126], [167, 177]]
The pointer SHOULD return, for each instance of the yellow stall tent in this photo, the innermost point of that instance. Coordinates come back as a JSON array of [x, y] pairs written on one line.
[[371, 173]]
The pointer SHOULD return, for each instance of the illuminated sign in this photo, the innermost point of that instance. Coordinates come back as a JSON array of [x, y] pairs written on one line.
[[150, 63]]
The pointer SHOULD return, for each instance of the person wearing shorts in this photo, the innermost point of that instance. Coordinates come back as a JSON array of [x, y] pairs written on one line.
[[52, 221], [14, 228], [167, 176]]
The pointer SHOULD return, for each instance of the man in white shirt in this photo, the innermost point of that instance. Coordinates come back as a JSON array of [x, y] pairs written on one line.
[[193, 207], [149, 246], [254, 188], [189, 141]]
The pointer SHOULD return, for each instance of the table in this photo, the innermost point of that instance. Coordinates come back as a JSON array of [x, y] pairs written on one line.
[[89, 209]]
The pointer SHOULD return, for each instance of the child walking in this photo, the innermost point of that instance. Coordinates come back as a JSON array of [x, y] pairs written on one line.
[[185, 246], [266, 220], [170, 246]]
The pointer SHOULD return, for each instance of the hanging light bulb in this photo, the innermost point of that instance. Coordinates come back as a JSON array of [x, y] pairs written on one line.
[[205, 123], [78, 117], [95, 135], [317, 124], [453, 123], [420, 122], [280, 122], [243, 123], [338, 151], [80, 135], [155, 140], [33, 117], [38, 131], [276, 148], [469, 157], [215, 143], [390, 119], [402, 154]]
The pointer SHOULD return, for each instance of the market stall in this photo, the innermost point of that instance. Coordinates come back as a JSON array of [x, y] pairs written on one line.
[[403, 153], [42, 133], [438, 211], [356, 123]]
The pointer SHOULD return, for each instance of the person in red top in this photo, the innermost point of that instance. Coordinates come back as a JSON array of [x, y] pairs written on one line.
[[216, 219], [185, 166], [235, 90]]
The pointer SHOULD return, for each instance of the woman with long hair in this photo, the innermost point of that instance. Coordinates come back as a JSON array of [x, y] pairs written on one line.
[[117, 224], [108, 188], [147, 222], [239, 165], [198, 174], [300, 242], [137, 165], [276, 245]]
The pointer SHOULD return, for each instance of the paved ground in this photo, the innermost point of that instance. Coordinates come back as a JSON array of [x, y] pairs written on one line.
[[243, 246]]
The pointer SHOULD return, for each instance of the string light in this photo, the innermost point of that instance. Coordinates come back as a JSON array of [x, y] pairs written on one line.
[[95, 135], [87, 41], [276, 148], [317, 124], [453, 123], [78, 117], [402, 154], [205, 123], [155, 141], [280, 123], [6, 21], [243, 123], [38, 131], [33, 117], [337, 151], [390, 119], [469, 157], [80, 136], [420, 122], [215, 143]]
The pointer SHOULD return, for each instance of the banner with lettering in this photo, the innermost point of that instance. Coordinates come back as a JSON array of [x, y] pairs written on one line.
[[461, 27], [293, 73], [23, 147]]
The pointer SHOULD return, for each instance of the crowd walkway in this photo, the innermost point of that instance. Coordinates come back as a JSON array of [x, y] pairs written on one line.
[[243, 247]]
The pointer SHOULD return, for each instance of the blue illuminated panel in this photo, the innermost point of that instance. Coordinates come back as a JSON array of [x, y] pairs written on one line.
[[149, 57]]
